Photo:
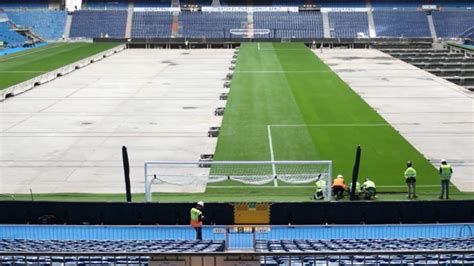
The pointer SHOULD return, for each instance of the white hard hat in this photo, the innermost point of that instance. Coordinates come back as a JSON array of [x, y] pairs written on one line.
[[340, 176], [443, 160], [200, 203]]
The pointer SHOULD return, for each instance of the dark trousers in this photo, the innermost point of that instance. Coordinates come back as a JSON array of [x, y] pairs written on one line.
[[198, 233], [338, 191], [444, 188]]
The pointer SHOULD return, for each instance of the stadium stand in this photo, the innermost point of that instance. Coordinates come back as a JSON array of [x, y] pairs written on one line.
[[92, 24], [449, 4], [152, 24], [454, 67], [401, 4], [49, 24], [452, 23], [152, 3], [348, 24], [401, 24], [289, 2], [211, 25], [340, 3], [364, 244], [24, 4], [28, 245], [9, 37], [288, 25], [101, 4]]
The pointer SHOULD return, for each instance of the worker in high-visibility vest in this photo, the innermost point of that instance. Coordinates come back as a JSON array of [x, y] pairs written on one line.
[[321, 186], [445, 171], [196, 219], [410, 179], [338, 187], [368, 189]]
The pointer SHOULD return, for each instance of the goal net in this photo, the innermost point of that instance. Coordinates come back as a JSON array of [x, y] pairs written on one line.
[[193, 176], [250, 33]]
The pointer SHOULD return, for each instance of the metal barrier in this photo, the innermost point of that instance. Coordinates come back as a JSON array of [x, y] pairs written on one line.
[[402, 257]]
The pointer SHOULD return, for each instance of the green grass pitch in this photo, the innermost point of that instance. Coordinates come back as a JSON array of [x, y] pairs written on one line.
[[282, 85], [19, 67]]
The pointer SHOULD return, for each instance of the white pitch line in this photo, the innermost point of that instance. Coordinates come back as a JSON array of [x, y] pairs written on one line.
[[33, 51], [284, 71], [258, 45], [330, 125], [311, 186], [272, 156]]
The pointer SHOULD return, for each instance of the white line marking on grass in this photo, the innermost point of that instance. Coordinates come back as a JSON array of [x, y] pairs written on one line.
[[258, 46], [272, 156], [283, 71], [330, 125], [389, 186]]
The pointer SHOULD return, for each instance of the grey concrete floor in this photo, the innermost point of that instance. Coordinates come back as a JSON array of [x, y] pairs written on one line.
[[434, 115], [66, 136]]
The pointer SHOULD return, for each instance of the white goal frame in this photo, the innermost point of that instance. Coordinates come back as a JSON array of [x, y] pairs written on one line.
[[148, 180]]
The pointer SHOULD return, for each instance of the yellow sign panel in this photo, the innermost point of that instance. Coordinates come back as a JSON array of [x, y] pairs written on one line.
[[251, 213]]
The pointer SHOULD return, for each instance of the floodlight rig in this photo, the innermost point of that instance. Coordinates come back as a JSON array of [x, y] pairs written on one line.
[[219, 111], [232, 67], [223, 96], [213, 132], [227, 84], [229, 76], [206, 158]]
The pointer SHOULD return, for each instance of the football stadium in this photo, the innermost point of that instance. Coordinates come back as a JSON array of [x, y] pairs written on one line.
[[237, 132]]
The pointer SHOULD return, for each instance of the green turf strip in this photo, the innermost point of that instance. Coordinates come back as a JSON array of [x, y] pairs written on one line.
[[19, 67], [286, 84]]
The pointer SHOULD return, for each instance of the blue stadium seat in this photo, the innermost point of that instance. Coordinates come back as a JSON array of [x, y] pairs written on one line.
[[92, 24], [106, 4], [211, 24], [24, 4], [401, 24], [10, 38], [449, 24], [49, 24], [348, 24], [152, 3], [288, 25], [399, 4], [152, 24]]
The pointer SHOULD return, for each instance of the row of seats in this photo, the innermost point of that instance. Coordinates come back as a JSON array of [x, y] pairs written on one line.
[[210, 25], [401, 23], [91, 23], [151, 24], [364, 244], [49, 24], [24, 4], [116, 246], [10, 38], [290, 25], [105, 4], [348, 24]]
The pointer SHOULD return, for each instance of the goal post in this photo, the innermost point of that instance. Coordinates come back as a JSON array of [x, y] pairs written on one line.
[[193, 176]]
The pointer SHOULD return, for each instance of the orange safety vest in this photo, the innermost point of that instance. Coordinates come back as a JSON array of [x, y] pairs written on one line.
[[339, 182], [195, 217]]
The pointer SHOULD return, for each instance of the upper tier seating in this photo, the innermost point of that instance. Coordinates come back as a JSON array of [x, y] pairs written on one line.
[[48, 24], [450, 4], [10, 38], [401, 24], [211, 25], [152, 24], [91, 24], [289, 2], [196, 2], [399, 4], [24, 4], [348, 24], [124, 246], [152, 3], [340, 3], [451, 24], [288, 25], [105, 4]]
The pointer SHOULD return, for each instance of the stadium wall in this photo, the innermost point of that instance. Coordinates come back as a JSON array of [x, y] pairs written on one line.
[[407, 212]]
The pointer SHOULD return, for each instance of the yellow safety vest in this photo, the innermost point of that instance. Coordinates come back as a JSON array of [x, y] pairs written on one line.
[[445, 172], [410, 172], [195, 214]]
